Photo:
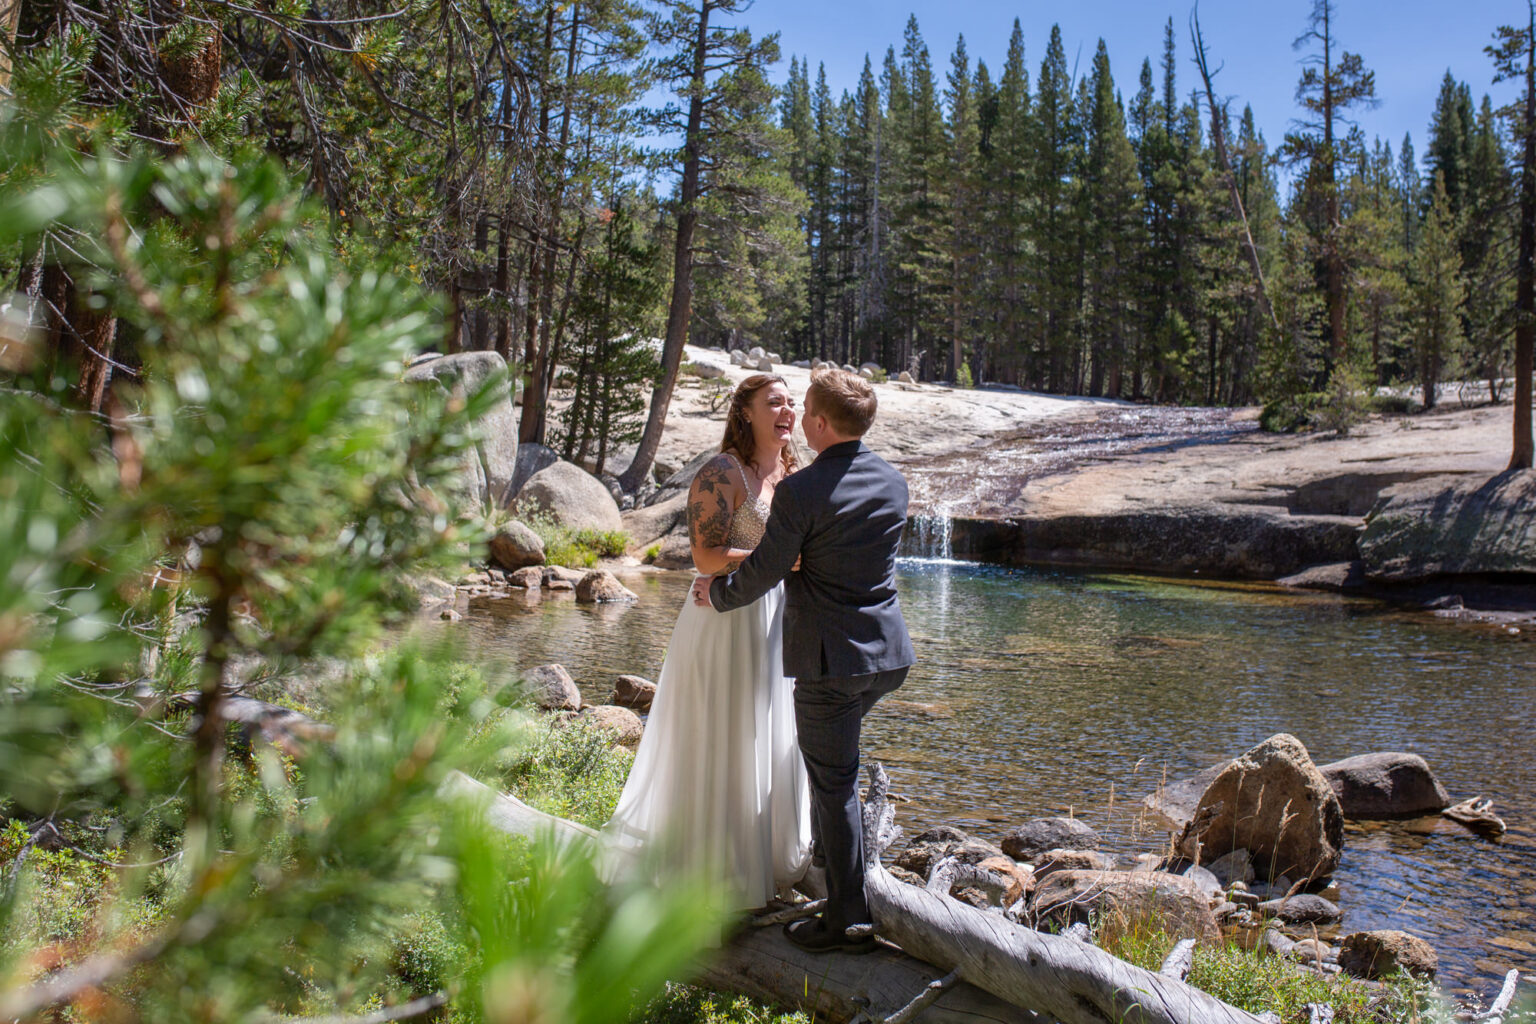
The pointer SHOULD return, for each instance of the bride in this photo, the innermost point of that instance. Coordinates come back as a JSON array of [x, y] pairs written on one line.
[[718, 782]]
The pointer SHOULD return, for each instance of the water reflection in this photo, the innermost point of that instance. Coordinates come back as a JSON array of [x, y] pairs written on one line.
[[1050, 692]]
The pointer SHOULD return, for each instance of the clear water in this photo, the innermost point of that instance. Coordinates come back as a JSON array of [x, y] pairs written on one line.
[[1044, 692]]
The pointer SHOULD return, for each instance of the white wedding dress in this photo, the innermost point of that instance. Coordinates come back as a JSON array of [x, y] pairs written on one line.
[[718, 785]]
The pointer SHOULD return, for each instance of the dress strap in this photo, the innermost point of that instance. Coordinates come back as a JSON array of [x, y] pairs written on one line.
[[746, 488]]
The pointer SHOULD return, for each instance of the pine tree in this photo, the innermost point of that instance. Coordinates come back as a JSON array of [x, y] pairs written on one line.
[[1054, 254], [1112, 205], [1333, 81], [961, 187], [1438, 294]]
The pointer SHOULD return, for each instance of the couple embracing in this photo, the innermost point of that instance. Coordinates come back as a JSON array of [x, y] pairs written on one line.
[[791, 634]]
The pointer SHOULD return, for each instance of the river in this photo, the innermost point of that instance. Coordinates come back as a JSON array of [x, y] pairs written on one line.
[[1042, 692]]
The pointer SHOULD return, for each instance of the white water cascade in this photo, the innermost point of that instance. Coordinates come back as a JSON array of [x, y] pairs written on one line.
[[930, 537]]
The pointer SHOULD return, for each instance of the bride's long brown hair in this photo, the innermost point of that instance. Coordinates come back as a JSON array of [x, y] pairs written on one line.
[[738, 432]]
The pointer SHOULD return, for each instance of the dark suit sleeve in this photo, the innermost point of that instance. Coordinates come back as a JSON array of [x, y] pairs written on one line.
[[770, 561]]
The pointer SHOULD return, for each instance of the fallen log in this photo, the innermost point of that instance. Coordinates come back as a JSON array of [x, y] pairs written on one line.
[[763, 964], [1059, 977], [974, 966]]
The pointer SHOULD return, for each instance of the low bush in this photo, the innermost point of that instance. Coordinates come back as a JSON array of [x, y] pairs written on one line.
[[577, 549], [1262, 983], [1290, 414]]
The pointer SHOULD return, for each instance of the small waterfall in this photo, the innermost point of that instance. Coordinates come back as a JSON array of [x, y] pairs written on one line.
[[930, 536]]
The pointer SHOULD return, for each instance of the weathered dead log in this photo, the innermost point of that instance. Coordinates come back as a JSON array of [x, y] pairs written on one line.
[[1072, 981], [1500, 1005], [763, 964], [1005, 972], [1476, 813], [1179, 961]]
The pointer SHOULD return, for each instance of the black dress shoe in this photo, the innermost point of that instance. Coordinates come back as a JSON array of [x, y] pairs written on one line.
[[813, 936]]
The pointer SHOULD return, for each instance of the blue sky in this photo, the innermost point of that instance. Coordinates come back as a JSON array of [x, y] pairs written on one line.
[[1408, 43]]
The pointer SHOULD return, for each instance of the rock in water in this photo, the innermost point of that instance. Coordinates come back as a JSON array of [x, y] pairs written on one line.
[[570, 496], [485, 477], [1467, 526], [601, 587], [1235, 866], [1041, 835], [1379, 954], [1138, 896], [552, 688], [529, 578], [515, 546], [1303, 908], [633, 692], [1274, 803], [1385, 785], [944, 841]]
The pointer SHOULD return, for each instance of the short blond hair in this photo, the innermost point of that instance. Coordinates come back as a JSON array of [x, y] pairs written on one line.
[[845, 399]]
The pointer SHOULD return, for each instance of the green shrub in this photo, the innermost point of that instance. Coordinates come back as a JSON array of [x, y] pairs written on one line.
[[652, 553], [1345, 404], [688, 1004], [576, 549], [963, 378], [1290, 414], [1261, 983], [1391, 405], [571, 771]]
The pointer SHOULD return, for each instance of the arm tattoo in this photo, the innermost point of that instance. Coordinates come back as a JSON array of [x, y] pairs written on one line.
[[709, 505]]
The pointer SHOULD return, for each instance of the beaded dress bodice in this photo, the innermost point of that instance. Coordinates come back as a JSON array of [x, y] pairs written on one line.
[[750, 518]]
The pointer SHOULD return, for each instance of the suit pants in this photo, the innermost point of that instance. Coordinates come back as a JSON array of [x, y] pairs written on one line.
[[828, 714]]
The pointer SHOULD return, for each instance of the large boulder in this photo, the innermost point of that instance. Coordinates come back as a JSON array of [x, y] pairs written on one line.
[[530, 459], [1274, 803], [551, 688], [515, 546], [485, 476], [1175, 802], [1466, 526], [1386, 784], [1380, 954], [571, 497], [651, 524], [1041, 835], [1125, 898], [680, 481]]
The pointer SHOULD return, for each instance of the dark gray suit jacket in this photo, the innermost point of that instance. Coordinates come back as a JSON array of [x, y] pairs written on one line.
[[842, 516]]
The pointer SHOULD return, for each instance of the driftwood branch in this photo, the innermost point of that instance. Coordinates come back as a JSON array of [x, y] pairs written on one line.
[[1180, 959], [1476, 813], [1500, 1006]]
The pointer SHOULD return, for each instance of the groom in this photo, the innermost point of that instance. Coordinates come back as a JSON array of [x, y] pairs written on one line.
[[845, 642]]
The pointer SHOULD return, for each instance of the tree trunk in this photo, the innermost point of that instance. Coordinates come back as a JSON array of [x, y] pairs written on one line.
[[1525, 278], [680, 309], [10, 17]]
